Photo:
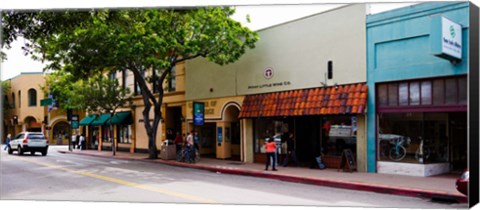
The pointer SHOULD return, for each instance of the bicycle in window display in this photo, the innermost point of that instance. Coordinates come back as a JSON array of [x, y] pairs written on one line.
[[397, 145]]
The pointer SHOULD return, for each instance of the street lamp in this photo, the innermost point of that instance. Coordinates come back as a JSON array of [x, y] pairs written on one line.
[[111, 133]]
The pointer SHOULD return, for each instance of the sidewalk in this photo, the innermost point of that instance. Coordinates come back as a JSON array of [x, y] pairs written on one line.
[[440, 187]]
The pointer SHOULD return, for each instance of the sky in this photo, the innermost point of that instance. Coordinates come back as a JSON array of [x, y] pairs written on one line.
[[261, 16]]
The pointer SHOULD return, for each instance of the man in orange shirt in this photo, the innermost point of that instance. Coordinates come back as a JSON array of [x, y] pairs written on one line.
[[270, 148]]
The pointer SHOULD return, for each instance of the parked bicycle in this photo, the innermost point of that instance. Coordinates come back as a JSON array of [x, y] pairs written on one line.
[[187, 155], [397, 146]]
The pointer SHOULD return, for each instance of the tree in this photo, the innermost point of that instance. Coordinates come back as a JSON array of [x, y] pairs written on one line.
[[96, 94], [5, 91], [137, 40]]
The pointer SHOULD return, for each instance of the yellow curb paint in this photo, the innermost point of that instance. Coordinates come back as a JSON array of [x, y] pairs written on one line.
[[127, 183]]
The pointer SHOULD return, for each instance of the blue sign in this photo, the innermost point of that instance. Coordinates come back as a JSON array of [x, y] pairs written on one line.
[[198, 113], [220, 135]]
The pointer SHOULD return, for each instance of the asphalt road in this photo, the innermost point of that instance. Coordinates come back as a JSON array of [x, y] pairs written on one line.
[[69, 177]]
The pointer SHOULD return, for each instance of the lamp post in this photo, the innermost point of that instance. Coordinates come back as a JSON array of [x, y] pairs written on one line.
[[111, 133]]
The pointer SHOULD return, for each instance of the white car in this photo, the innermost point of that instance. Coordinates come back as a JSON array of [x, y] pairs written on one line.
[[28, 142]]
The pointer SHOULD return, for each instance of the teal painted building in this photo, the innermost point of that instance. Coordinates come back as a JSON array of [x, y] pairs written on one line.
[[417, 99]]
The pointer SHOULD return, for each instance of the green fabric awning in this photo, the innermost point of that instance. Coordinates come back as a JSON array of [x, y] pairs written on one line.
[[88, 119], [101, 120], [123, 118]]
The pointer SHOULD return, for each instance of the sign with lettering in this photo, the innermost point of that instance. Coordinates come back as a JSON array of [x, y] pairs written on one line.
[[446, 39], [198, 113], [451, 38]]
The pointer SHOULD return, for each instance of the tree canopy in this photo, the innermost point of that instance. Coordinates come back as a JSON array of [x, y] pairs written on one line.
[[85, 43], [96, 94]]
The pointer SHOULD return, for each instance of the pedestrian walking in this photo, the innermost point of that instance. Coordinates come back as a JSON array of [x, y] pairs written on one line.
[[270, 148], [74, 141], [7, 141], [290, 151], [196, 140], [81, 142]]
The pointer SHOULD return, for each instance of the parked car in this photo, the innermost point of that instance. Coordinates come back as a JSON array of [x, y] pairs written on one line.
[[462, 182], [28, 142]]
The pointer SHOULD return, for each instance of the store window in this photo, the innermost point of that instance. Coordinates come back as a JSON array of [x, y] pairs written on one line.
[[106, 134], [268, 128], [339, 133], [124, 134], [413, 137]]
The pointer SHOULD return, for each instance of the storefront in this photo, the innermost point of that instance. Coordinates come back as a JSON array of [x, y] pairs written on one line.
[[418, 108], [220, 134], [324, 121], [423, 122]]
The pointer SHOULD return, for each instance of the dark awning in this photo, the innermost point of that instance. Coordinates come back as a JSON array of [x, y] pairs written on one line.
[[88, 119], [344, 99], [123, 118], [101, 120]]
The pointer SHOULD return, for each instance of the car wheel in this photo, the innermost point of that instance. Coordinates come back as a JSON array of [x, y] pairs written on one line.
[[44, 152], [10, 151], [19, 150]]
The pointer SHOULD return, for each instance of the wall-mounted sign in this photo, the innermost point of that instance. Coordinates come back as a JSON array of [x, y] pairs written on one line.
[[268, 73], [451, 38], [198, 113], [219, 135], [446, 38]]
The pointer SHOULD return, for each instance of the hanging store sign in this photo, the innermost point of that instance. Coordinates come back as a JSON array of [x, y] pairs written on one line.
[[446, 39]]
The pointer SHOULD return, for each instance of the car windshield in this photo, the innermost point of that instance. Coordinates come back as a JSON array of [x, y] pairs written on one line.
[[36, 136]]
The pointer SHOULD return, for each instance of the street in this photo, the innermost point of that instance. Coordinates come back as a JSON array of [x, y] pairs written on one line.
[[67, 177]]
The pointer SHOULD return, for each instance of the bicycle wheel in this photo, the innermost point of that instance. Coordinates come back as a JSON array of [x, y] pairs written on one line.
[[197, 156], [397, 154]]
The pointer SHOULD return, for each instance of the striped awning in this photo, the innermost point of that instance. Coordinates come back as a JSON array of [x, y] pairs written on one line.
[[344, 99]]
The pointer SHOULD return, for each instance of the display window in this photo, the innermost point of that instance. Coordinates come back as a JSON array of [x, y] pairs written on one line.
[[421, 137], [106, 134], [268, 128], [124, 134], [339, 133]]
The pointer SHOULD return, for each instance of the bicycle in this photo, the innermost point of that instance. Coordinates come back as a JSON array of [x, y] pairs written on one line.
[[398, 151], [423, 152], [185, 155]]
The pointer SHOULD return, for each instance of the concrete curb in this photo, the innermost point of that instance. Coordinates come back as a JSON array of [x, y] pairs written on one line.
[[428, 194]]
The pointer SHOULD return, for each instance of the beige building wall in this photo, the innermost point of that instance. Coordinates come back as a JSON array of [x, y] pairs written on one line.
[[298, 53], [22, 84]]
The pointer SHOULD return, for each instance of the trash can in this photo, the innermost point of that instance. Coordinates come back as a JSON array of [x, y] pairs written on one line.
[[168, 151]]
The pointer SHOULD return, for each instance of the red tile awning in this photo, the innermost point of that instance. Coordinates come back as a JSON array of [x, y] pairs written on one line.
[[345, 99]]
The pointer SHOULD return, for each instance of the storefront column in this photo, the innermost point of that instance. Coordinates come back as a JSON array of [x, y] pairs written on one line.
[[100, 143], [100, 138], [361, 143], [247, 140], [224, 144], [133, 134]]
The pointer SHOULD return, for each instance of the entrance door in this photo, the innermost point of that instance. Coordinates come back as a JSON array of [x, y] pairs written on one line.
[[307, 137], [458, 140]]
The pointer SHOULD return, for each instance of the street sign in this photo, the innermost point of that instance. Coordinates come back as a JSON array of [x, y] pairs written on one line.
[[198, 113], [46, 102], [75, 123]]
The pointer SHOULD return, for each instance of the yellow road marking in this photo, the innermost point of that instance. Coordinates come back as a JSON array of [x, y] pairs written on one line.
[[124, 182]]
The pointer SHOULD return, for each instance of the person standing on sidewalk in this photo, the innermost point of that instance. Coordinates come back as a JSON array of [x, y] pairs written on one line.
[[290, 151], [189, 147], [7, 141], [270, 148], [178, 142]]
